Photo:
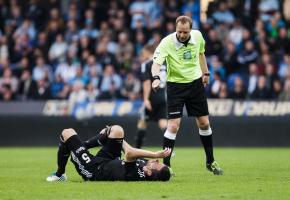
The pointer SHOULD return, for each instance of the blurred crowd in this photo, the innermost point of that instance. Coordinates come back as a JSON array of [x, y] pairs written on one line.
[[91, 49]]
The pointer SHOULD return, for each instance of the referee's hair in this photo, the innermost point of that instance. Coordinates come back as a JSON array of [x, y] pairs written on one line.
[[149, 47], [162, 175], [184, 19]]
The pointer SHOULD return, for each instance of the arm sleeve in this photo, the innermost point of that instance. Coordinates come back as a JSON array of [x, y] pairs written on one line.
[[202, 43], [160, 53]]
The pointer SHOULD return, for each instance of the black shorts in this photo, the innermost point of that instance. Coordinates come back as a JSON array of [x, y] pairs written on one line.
[[192, 95], [158, 112], [87, 165]]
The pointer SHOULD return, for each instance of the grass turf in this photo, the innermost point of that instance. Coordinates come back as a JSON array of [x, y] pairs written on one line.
[[250, 173]]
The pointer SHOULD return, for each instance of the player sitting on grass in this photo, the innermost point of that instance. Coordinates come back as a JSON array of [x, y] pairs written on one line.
[[107, 165]]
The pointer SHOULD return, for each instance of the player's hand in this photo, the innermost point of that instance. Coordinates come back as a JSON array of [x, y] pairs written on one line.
[[148, 105], [205, 80], [163, 153], [106, 130], [155, 85]]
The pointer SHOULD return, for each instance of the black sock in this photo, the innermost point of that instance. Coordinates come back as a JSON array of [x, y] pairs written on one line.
[[169, 144], [140, 138], [207, 145], [62, 158], [96, 141], [112, 148]]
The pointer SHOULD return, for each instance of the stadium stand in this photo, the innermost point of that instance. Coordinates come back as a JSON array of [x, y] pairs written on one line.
[[53, 49]]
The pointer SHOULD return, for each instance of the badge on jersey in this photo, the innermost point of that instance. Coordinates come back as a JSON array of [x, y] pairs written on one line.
[[187, 55]]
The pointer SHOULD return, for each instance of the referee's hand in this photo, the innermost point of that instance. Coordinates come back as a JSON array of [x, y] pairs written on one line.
[[205, 80], [155, 85]]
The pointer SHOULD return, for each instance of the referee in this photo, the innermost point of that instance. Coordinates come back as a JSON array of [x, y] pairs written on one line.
[[187, 74]]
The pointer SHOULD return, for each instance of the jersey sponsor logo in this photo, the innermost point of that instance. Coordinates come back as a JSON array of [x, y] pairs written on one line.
[[141, 173], [187, 55], [81, 167]]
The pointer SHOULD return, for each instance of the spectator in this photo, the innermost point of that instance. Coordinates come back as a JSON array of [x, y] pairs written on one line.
[[223, 14], [239, 91], [78, 96], [285, 94], [131, 87], [223, 93], [27, 86], [247, 56], [230, 58], [252, 78], [8, 81], [213, 45], [271, 76], [43, 91], [261, 91], [110, 84], [57, 87], [215, 85], [58, 50], [6, 93], [284, 66], [67, 70], [138, 13], [215, 65], [41, 70]]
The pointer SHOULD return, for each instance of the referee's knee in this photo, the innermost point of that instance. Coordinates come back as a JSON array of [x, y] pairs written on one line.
[[67, 133], [204, 125]]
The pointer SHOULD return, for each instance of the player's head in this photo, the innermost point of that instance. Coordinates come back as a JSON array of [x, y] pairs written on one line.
[[183, 27], [156, 171], [147, 51]]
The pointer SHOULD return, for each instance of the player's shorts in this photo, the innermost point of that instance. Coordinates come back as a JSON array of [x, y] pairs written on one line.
[[158, 112], [192, 95], [87, 165]]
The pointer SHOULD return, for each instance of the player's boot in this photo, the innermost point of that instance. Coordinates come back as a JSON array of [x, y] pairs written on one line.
[[214, 168], [53, 177]]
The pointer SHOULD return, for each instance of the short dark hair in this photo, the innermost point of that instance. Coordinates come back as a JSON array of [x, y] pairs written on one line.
[[162, 175], [149, 47], [184, 19]]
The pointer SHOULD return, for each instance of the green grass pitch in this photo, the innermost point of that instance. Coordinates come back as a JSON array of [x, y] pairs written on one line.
[[250, 173]]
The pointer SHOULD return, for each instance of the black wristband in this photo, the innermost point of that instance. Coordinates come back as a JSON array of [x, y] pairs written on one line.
[[156, 77], [206, 74]]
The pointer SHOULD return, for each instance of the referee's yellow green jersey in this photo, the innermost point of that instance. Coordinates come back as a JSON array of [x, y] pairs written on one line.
[[182, 61]]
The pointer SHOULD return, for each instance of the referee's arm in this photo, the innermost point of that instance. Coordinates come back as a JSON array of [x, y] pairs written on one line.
[[155, 70], [204, 69]]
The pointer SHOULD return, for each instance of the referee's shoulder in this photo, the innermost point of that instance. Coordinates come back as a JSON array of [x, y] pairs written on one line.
[[195, 32]]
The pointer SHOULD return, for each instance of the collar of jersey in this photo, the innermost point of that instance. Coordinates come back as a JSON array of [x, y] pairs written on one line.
[[178, 44]]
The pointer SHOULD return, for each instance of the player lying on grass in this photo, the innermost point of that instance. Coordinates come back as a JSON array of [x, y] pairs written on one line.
[[107, 165]]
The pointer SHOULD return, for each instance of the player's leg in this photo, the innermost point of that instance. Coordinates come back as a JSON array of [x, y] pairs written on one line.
[[98, 140], [205, 133], [170, 136], [62, 157], [141, 132], [113, 146]]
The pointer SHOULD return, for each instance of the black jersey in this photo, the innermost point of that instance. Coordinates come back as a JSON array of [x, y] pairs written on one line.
[[119, 170], [159, 96]]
